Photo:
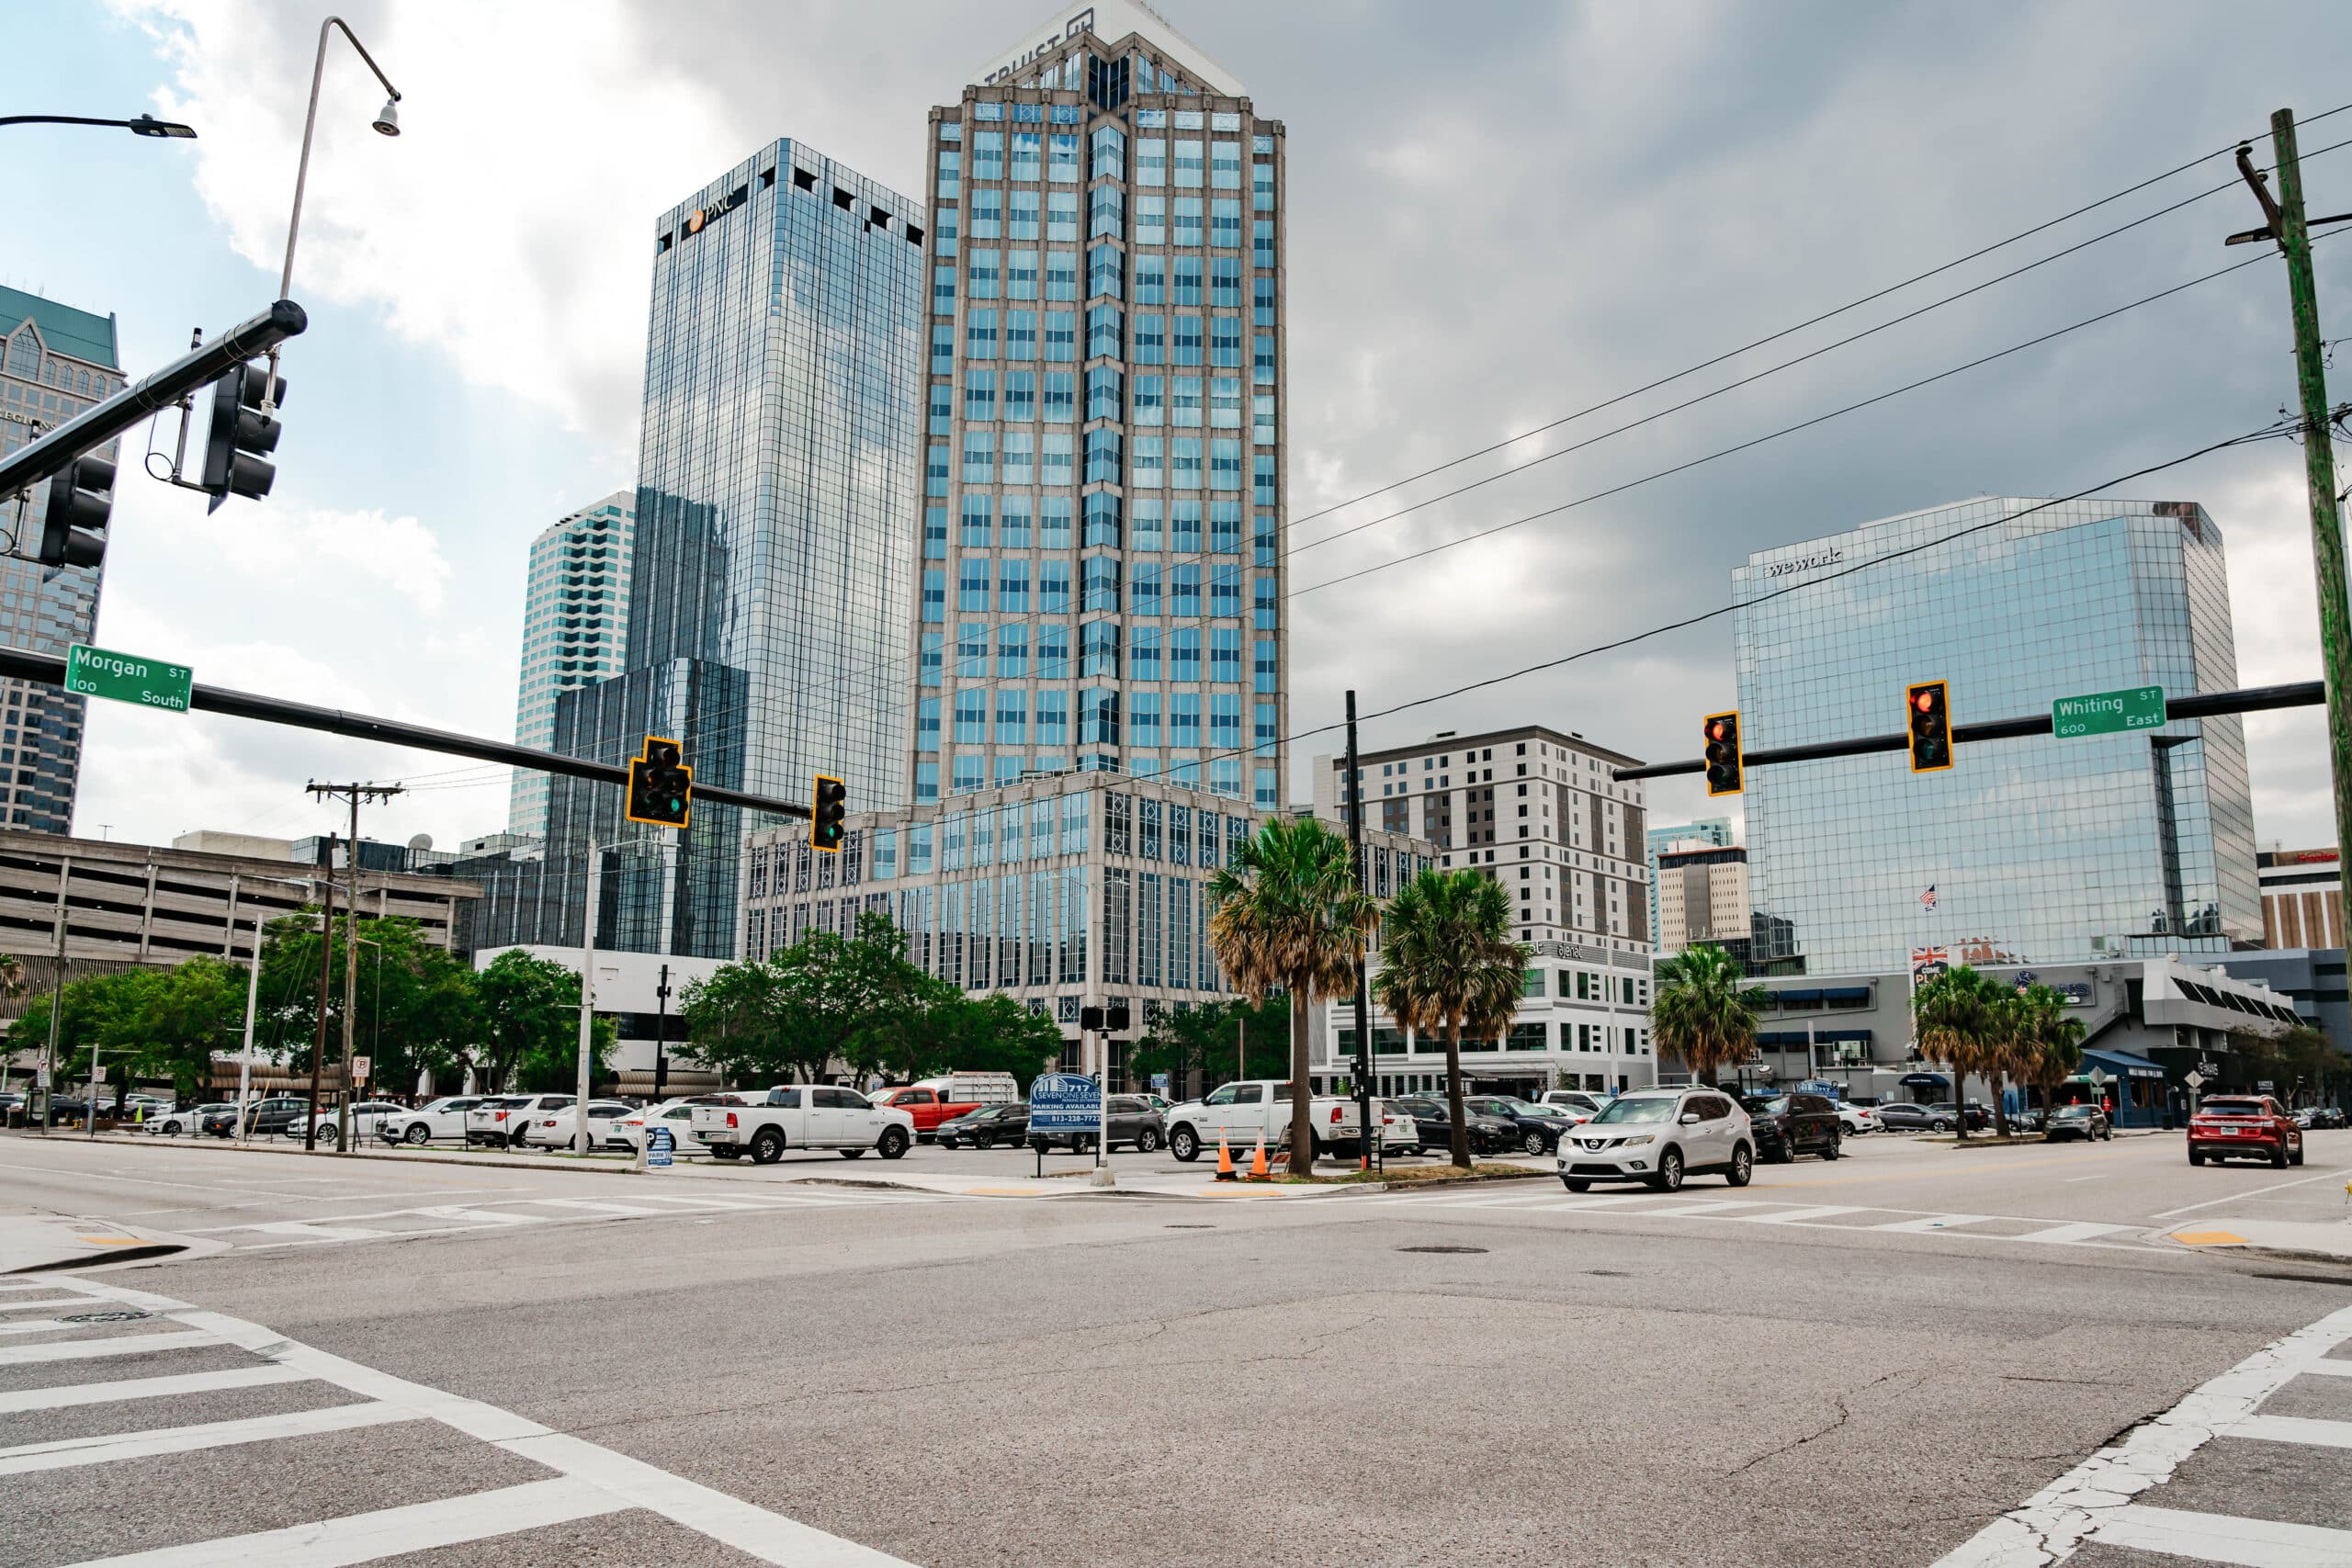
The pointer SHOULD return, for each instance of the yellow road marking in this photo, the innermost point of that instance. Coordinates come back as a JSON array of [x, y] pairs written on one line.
[[2207, 1238], [112, 1240]]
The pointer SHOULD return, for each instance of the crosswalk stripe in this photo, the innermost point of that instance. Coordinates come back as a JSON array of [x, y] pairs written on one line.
[[2327, 1369], [54, 1327], [590, 1205], [496, 1216], [2305, 1429], [1804, 1216], [70, 1451], [362, 1537], [2224, 1538], [2061, 1234], [124, 1345], [36, 1306], [168, 1386], [1931, 1223], [310, 1230]]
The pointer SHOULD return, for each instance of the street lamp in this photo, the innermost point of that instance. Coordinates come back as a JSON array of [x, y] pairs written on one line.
[[387, 122], [145, 124]]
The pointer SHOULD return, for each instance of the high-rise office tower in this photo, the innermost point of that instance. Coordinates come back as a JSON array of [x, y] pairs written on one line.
[[575, 614], [1101, 581], [777, 481], [55, 361], [2032, 851]]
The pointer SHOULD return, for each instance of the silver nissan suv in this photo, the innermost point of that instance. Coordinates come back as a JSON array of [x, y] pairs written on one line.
[[1660, 1135]]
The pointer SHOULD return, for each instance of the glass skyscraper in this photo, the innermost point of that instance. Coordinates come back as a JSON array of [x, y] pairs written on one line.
[[1100, 585], [2028, 851], [55, 362], [778, 478], [575, 612]]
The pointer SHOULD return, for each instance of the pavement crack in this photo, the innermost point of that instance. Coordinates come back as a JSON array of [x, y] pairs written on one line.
[[1845, 1414]]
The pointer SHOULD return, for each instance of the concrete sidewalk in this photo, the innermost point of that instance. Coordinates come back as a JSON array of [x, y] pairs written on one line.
[[31, 1243], [2286, 1238]]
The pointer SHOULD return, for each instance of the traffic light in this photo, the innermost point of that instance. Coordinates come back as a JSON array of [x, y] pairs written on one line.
[[239, 434], [1115, 1017], [1930, 726], [1090, 1019], [825, 824], [660, 787], [1720, 732], [73, 529]]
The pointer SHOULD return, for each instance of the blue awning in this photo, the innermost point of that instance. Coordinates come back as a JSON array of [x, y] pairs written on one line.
[[1846, 994], [1798, 999], [2121, 1064], [1925, 1081]]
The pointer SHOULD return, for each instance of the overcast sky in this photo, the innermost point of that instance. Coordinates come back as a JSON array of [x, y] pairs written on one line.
[[1500, 214]]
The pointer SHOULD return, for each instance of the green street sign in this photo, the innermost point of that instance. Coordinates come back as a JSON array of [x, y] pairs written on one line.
[[127, 678], [2108, 713]]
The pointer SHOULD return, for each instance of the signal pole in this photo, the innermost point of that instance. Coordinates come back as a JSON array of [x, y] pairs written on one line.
[[1366, 1138], [354, 793], [2291, 230], [579, 1144], [326, 948]]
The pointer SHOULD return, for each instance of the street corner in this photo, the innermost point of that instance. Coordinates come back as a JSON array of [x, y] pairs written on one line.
[[34, 1244], [2327, 1241]]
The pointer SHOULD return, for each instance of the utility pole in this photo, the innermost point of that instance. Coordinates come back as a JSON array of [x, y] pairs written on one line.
[[253, 995], [56, 999], [354, 793], [587, 1000], [326, 948], [2291, 230], [1367, 1139]]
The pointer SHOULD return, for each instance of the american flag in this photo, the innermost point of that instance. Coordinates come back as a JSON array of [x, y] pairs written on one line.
[[1928, 899]]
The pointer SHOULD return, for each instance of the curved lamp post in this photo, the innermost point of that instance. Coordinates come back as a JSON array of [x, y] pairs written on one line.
[[387, 122], [145, 124]]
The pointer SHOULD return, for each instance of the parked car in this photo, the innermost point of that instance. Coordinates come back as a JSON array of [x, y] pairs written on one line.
[[1980, 1115], [268, 1118], [2244, 1126], [1158, 1102], [1540, 1127], [1583, 1105], [804, 1116], [1659, 1136], [558, 1128], [1856, 1120], [975, 1088], [1787, 1125], [623, 1134], [1433, 1126], [366, 1118], [1244, 1111], [928, 1106], [442, 1118], [172, 1123], [2084, 1121], [1131, 1121], [2328, 1116], [141, 1108], [986, 1127], [1902, 1116], [501, 1120]]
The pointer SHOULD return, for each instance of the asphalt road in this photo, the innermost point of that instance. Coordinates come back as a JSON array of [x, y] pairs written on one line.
[[1863, 1363]]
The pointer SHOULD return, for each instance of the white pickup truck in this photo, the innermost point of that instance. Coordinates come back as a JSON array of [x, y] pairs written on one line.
[[1239, 1112], [803, 1116]]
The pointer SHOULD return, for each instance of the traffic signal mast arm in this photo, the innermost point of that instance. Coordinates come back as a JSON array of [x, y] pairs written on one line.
[[2211, 704], [94, 427], [48, 670]]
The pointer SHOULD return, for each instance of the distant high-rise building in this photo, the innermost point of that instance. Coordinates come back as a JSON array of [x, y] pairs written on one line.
[[778, 476], [575, 617], [55, 361], [1714, 831], [2031, 851]]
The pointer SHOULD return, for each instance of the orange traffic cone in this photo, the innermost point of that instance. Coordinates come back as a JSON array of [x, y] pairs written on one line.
[[1258, 1160], [1224, 1161]]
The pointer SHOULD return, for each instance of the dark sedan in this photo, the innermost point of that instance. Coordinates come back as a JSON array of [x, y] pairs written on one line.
[[1787, 1125], [1131, 1120], [990, 1124], [1433, 1129], [1907, 1118], [2084, 1121], [1539, 1126]]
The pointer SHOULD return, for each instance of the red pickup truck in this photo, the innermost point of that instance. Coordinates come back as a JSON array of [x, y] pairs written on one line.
[[2244, 1126], [929, 1107]]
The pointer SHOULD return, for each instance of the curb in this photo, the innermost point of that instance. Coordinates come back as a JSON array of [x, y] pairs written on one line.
[[625, 1165]]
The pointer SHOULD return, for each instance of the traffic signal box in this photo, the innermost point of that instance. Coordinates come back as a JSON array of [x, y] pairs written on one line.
[[73, 528], [660, 786], [827, 815], [1930, 712], [1721, 733], [240, 435]]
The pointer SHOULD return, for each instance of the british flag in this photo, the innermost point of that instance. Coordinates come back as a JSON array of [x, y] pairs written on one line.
[[1928, 899]]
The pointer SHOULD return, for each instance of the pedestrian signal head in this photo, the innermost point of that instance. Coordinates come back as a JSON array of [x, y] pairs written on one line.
[[1724, 765]]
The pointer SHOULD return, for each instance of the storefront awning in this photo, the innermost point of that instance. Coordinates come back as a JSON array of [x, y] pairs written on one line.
[[1798, 999], [2120, 1064], [1834, 994], [1928, 1080]]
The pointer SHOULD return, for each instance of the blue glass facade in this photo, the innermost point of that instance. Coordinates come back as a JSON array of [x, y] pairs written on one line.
[[2037, 849], [777, 479]]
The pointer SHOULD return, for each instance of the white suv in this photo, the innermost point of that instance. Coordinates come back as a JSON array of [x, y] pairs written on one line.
[[1660, 1135]]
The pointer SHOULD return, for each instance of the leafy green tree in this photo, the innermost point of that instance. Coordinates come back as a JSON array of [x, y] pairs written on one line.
[[1702, 1009], [991, 1034], [1213, 1040], [1959, 1018], [2053, 1038], [1291, 914], [1447, 962], [418, 1008], [530, 1022]]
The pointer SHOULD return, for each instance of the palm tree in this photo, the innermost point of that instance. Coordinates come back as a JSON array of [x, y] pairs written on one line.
[[1702, 1011], [1290, 913], [1958, 1018], [2054, 1039], [1447, 962]]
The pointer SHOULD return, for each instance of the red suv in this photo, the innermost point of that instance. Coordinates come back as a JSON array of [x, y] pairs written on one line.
[[2244, 1127]]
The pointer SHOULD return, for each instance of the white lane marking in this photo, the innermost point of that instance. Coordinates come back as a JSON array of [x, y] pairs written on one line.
[[1804, 1216], [1928, 1222], [61, 1173], [165, 1387], [55, 1327], [495, 1217], [2062, 1515], [625, 1482], [591, 1207], [388, 1532], [2325, 1368], [307, 1230], [2221, 1538], [2295, 1429], [2060, 1236], [2071, 1180], [2252, 1193], [53, 1302], [123, 1344], [70, 1451]]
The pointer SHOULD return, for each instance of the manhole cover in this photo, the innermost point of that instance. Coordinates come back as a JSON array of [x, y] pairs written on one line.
[[1187, 1228], [1610, 1273], [1440, 1249], [106, 1317]]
